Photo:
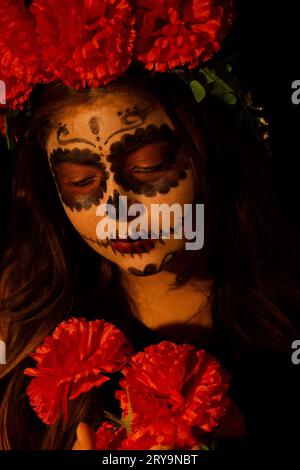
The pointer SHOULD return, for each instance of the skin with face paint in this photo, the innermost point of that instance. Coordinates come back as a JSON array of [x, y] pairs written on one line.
[[122, 143]]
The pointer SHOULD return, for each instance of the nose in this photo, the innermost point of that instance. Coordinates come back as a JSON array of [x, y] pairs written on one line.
[[120, 207]]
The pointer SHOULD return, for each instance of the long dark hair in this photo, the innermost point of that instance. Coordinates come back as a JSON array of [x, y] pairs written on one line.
[[49, 274]]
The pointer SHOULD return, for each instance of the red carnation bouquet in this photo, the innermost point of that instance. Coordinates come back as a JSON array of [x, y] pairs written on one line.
[[171, 396]]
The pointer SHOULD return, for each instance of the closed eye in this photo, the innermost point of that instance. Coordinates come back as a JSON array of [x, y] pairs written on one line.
[[164, 165], [152, 158], [84, 182]]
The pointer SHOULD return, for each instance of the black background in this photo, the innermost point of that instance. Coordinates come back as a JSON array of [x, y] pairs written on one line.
[[265, 38]]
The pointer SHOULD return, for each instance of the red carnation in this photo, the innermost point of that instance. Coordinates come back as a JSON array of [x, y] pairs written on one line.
[[109, 438], [175, 384], [20, 60], [17, 92], [85, 42], [71, 362], [173, 33], [158, 435], [168, 435]]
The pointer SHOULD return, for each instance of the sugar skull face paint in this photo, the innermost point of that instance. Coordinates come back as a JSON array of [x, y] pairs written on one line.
[[122, 143], [149, 161], [80, 177]]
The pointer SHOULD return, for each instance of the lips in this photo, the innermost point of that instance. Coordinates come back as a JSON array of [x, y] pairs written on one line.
[[129, 246]]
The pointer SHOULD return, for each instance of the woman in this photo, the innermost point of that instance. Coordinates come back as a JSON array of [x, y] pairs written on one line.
[[234, 297]]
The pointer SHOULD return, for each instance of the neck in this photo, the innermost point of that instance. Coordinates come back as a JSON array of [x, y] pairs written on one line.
[[157, 304]]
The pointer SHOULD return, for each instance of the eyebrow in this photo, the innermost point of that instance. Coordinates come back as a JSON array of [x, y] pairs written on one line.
[[80, 156], [63, 129], [141, 137]]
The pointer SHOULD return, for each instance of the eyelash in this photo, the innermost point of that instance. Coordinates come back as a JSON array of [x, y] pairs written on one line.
[[84, 182]]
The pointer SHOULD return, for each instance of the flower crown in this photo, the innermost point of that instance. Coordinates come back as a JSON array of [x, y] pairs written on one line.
[[89, 43]]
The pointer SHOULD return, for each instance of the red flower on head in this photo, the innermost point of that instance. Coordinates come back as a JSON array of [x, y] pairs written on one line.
[[21, 64], [73, 360], [175, 384], [173, 33], [17, 92], [85, 42]]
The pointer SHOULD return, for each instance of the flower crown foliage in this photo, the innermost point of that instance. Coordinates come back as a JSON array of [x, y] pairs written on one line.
[[171, 396]]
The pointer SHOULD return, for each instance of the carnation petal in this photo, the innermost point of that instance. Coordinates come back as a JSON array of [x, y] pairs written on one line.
[[82, 386], [95, 39], [72, 361], [170, 34]]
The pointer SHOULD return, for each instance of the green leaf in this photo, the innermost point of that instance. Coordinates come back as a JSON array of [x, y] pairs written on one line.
[[127, 421], [230, 99], [220, 88], [198, 90], [113, 419], [204, 447], [10, 141]]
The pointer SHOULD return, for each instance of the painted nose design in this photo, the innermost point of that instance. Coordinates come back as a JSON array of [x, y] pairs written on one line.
[[120, 207]]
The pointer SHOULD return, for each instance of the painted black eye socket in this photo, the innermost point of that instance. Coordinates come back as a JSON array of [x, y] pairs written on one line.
[[150, 158], [137, 175], [80, 176], [165, 165], [149, 161]]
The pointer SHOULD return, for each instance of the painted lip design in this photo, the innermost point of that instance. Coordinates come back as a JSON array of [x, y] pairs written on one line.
[[130, 246]]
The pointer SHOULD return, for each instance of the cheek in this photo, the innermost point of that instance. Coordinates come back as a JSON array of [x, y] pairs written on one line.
[[182, 194], [84, 222], [170, 208]]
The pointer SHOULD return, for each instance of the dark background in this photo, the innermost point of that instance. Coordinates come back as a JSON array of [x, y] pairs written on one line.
[[265, 42]]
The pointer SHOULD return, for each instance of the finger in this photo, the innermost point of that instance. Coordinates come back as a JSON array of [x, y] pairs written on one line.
[[161, 447], [76, 446], [86, 438]]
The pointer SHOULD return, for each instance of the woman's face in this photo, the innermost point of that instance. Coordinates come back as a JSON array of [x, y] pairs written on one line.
[[122, 143]]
